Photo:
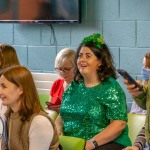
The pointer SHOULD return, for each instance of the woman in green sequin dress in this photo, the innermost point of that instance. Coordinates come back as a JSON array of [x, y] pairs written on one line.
[[94, 105]]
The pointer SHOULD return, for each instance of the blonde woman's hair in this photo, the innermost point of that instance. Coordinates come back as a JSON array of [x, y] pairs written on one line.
[[63, 55]]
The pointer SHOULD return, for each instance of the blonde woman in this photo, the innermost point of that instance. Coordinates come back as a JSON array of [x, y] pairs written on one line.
[[64, 65]]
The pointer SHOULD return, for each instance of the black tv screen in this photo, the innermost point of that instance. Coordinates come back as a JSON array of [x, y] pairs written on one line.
[[40, 11]]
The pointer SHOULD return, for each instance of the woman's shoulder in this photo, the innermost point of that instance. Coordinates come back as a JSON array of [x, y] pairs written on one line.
[[113, 83], [40, 118], [75, 84], [41, 121], [58, 81], [40, 115]]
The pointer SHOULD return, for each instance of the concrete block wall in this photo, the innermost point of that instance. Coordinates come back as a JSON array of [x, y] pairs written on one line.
[[125, 25]]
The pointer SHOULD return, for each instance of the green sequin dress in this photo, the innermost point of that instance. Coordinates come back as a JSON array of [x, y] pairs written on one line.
[[87, 111]]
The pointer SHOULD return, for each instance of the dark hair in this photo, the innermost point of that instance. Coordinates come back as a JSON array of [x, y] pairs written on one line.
[[106, 69]]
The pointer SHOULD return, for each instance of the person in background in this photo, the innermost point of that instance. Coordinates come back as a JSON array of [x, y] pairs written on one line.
[[8, 57], [94, 105], [64, 65], [140, 141], [145, 76], [28, 126], [146, 68], [142, 99]]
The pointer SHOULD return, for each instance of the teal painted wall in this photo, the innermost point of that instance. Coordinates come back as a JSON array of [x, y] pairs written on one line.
[[125, 25]]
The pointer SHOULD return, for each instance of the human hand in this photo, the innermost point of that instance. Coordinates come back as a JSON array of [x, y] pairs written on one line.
[[51, 106], [131, 148], [88, 145], [132, 89]]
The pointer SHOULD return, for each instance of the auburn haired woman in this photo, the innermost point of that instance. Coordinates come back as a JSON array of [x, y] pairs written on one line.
[[28, 126]]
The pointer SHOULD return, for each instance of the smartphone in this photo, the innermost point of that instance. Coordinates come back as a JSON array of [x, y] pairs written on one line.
[[126, 76]]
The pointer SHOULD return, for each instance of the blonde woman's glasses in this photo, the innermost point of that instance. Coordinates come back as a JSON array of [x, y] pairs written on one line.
[[64, 70]]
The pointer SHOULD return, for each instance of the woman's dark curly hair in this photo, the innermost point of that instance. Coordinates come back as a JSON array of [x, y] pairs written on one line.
[[106, 69]]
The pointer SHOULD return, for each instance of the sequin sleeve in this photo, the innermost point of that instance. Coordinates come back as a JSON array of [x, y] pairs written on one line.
[[114, 100]]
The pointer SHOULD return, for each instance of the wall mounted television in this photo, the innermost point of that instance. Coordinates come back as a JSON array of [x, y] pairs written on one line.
[[40, 11]]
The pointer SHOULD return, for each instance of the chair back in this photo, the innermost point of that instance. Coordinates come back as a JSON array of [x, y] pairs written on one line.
[[71, 143], [135, 124]]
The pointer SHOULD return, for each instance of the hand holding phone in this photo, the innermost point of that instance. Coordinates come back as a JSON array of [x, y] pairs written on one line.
[[126, 76]]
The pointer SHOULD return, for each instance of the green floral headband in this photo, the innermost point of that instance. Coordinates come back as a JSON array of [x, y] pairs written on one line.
[[97, 39]]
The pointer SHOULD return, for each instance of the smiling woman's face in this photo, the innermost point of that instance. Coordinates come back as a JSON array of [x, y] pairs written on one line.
[[87, 62], [10, 93]]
